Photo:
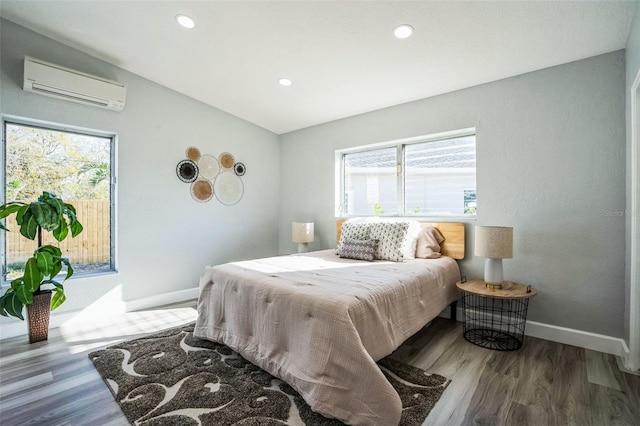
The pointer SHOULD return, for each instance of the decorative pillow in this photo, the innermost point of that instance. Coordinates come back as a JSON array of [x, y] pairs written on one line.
[[353, 230], [390, 236], [359, 249], [411, 240], [429, 241]]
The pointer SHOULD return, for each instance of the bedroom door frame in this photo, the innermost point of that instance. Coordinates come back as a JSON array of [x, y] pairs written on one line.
[[633, 360]]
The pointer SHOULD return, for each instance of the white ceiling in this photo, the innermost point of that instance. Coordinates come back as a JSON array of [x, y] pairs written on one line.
[[341, 55]]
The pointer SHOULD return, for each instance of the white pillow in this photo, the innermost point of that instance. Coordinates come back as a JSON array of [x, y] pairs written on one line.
[[411, 240], [391, 237]]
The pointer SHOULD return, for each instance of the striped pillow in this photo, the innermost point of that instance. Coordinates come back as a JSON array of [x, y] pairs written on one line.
[[353, 230], [359, 249]]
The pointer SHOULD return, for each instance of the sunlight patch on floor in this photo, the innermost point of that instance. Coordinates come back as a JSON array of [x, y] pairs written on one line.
[[104, 322]]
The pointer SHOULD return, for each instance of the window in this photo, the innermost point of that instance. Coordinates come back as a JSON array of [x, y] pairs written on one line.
[[77, 166], [429, 176]]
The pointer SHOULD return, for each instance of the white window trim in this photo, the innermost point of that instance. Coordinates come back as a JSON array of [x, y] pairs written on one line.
[[400, 143]]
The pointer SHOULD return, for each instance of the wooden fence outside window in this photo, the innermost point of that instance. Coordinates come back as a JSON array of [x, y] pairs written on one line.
[[91, 246]]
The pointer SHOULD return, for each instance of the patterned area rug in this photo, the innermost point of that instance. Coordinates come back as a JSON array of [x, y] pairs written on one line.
[[173, 378]]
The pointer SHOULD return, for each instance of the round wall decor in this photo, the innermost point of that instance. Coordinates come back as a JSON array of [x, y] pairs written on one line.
[[240, 169], [208, 166], [228, 188], [226, 160], [202, 190], [187, 171], [193, 153]]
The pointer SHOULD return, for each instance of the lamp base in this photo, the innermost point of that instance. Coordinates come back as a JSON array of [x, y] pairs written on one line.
[[493, 277], [493, 286], [303, 247]]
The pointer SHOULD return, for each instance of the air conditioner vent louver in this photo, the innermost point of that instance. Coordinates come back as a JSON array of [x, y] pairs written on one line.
[[63, 83]]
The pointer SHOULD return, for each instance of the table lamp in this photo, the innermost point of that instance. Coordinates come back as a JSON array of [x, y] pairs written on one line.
[[302, 233], [495, 243]]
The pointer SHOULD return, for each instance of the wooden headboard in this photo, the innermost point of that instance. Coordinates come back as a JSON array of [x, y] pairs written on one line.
[[453, 233]]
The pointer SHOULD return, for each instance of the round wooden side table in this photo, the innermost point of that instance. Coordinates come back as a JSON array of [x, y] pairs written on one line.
[[495, 318]]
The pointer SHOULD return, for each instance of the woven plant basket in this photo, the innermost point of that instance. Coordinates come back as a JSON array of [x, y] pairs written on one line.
[[38, 314]]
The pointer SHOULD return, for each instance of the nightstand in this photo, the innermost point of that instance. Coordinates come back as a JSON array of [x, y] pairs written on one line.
[[495, 318]]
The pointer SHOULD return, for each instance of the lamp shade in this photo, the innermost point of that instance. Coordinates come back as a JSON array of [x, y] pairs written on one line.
[[494, 242], [301, 232]]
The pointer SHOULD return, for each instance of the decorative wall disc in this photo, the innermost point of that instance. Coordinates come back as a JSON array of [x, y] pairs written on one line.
[[187, 171], [202, 190], [228, 188], [193, 153], [240, 169], [208, 167], [226, 160]]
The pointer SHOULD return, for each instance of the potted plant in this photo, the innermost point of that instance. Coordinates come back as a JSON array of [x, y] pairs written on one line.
[[52, 214]]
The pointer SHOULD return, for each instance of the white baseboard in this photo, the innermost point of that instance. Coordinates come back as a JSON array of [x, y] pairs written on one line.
[[19, 328], [583, 339], [162, 299]]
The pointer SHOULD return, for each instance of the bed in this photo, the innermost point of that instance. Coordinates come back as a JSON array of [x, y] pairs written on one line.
[[320, 322]]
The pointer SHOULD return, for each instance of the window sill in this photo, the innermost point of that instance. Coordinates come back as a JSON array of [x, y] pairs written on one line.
[[6, 284]]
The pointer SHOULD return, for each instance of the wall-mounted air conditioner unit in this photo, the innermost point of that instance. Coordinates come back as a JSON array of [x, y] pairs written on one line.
[[64, 83]]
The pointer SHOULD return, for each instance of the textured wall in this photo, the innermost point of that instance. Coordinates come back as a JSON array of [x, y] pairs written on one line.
[[551, 163], [165, 238]]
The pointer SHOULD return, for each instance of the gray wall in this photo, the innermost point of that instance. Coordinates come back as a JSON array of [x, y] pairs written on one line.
[[165, 238], [633, 67], [550, 163]]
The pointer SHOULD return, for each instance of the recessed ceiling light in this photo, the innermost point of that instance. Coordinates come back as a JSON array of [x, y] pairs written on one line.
[[403, 31], [185, 21], [285, 82]]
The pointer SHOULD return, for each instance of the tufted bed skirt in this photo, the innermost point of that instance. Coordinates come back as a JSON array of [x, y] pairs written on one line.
[[320, 323]]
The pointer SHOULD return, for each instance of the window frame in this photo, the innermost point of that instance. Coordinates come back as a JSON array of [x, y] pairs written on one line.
[[400, 145], [5, 120]]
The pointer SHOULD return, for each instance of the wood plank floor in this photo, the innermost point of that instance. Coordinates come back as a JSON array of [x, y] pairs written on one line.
[[544, 383]]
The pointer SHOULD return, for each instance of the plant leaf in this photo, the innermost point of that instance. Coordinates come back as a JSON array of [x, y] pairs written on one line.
[[69, 268], [21, 212], [9, 209], [71, 209], [32, 275], [57, 204], [58, 297], [76, 228], [29, 226], [13, 305], [57, 267], [38, 213], [45, 262], [3, 300], [46, 196], [74, 223], [61, 232], [53, 250], [23, 294]]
